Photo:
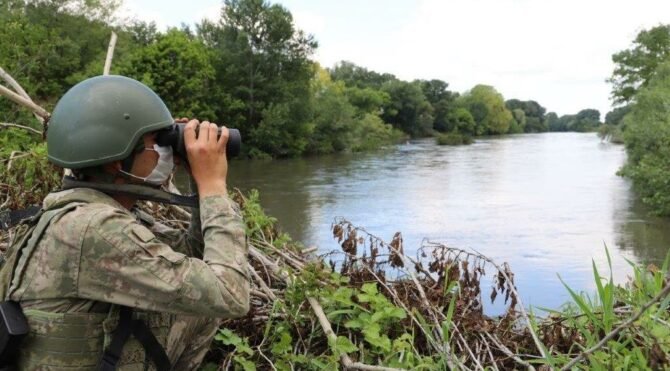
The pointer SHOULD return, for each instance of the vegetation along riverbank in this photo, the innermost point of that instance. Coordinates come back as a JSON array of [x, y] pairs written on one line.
[[368, 306]]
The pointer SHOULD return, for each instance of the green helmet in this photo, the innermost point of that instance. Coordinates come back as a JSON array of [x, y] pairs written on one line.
[[101, 119]]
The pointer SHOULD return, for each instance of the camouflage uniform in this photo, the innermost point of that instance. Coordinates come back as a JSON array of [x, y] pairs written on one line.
[[98, 255]]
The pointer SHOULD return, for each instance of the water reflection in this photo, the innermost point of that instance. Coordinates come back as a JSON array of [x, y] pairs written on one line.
[[545, 203]]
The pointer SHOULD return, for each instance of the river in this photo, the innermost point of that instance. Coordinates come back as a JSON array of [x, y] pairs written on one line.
[[545, 203]]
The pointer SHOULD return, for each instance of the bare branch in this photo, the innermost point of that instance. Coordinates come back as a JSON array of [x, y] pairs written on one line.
[[7, 124], [24, 102], [110, 54], [19, 89]]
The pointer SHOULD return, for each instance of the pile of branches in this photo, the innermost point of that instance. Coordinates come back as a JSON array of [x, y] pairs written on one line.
[[440, 292]]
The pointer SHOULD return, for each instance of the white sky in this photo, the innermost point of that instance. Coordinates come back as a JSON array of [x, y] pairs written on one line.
[[557, 52]]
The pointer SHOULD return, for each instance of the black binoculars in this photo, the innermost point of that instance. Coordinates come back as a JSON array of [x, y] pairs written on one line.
[[174, 137]]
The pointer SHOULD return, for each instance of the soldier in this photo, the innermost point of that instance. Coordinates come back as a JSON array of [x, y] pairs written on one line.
[[91, 274]]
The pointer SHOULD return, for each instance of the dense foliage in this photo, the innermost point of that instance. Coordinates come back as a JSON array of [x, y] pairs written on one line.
[[647, 139], [642, 121], [635, 67], [252, 70]]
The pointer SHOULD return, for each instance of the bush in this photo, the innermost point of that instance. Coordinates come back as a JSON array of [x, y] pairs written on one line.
[[453, 139]]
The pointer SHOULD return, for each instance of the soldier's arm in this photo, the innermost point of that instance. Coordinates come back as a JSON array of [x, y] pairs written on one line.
[[123, 262], [190, 243]]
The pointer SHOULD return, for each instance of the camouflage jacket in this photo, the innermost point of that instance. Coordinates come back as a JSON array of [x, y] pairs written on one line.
[[100, 253]]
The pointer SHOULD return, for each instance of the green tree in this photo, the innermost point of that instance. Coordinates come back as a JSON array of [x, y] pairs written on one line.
[[263, 75], [519, 122], [615, 116], [553, 123], [179, 70], [487, 107], [533, 112], [647, 139], [356, 76], [408, 109], [585, 120], [635, 67], [441, 99], [367, 100], [333, 116], [45, 45], [460, 120]]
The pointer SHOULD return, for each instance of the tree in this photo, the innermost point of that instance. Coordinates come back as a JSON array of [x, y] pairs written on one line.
[[460, 120], [42, 45], [441, 99], [552, 122], [533, 112], [615, 116], [367, 100], [519, 122], [585, 120], [408, 109], [263, 74], [646, 138], [179, 70], [635, 67], [333, 116], [356, 76], [487, 107]]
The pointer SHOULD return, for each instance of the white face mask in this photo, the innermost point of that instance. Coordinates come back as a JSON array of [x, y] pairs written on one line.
[[163, 168]]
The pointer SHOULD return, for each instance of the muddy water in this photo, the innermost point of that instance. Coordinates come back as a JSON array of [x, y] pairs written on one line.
[[545, 203]]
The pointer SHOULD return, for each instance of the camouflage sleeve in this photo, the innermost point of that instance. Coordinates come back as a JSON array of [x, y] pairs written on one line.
[[123, 262], [192, 241]]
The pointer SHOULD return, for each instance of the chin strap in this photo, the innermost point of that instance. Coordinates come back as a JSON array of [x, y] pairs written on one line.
[[142, 192]]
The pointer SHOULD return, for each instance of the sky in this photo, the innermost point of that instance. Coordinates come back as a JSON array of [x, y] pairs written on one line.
[[556, 52]]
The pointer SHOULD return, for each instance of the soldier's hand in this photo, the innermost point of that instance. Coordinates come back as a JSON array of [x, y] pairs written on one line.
[[207, 157]]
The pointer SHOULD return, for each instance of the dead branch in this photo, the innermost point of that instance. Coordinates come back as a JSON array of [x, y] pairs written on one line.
[[511, 287], [110, 54], [19, 89], [509, 353], [27, 103], [10, 125]]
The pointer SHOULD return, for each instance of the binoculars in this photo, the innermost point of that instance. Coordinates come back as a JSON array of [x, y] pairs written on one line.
[[174, 137]]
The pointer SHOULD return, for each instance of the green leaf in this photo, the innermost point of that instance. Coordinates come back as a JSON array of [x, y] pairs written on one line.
[[370, 288], [284, 344], [246, 364], [227, 337], [342, 345], [354, 323]]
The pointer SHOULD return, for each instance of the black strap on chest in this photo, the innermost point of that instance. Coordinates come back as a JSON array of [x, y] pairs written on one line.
[[128, 326]]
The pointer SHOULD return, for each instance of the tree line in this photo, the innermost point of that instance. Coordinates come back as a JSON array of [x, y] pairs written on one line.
[[251, 69], [641, 120]]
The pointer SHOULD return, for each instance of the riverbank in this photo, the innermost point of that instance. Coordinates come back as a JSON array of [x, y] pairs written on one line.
[[371, 306], [388, 311]]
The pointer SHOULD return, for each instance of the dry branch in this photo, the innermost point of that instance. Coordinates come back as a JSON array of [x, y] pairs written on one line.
[[110, 54], [10, 125], [19, 89], [24, 102]]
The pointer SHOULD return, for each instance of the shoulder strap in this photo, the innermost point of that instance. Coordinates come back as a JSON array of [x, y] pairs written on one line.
[[138, 328], [24, 251]]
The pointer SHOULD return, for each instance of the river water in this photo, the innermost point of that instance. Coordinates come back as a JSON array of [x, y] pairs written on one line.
[[545, 203]]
